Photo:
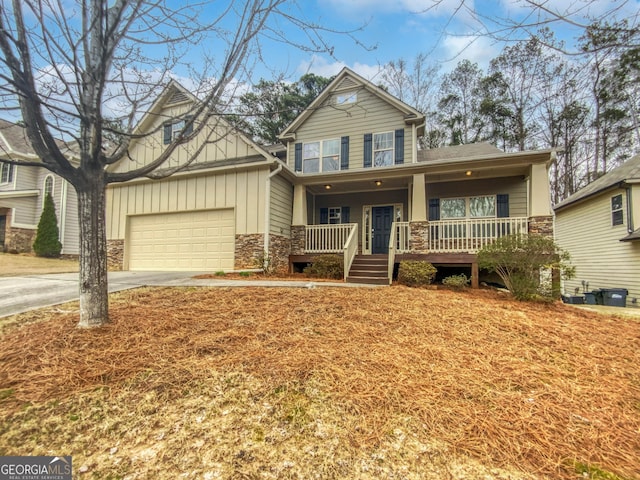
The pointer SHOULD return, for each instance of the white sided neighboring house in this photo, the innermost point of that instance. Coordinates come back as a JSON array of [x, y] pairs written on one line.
[[600, 227], [22, 193]]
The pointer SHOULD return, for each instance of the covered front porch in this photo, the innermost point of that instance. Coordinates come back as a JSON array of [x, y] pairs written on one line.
[[443, 219]]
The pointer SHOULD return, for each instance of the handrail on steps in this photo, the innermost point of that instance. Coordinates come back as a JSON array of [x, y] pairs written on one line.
[[392, 252], [350, 249]]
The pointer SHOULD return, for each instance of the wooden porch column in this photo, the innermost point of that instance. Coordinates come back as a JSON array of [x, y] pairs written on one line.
[[539, 193], [299, 205], [419, 199]]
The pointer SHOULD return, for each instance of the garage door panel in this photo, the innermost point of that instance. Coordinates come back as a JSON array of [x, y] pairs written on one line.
[[194, 241]]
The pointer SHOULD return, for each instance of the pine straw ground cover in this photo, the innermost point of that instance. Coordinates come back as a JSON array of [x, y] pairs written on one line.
[[328, 383]]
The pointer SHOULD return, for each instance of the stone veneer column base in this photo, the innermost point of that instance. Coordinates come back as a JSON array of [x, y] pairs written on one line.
[[249, 252], [419, 237], [298, 239], [115, 254], [19, 240], [542, 225]]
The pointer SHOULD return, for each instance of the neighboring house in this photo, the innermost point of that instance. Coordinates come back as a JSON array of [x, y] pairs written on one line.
[[600, 227], [22, 193], [350, 180]]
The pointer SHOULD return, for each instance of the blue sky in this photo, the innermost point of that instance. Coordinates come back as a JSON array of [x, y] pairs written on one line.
[[404, 28]]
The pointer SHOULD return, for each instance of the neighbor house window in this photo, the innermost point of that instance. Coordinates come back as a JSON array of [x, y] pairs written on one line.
[[347, 97], [383, 149], [6, 172], [616, 210], [327, 150], [48, 187]]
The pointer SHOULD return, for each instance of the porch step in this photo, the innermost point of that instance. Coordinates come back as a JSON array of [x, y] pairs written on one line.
[[369, 269]]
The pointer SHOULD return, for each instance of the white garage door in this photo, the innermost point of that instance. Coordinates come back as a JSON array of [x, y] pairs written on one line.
[[189, 241]]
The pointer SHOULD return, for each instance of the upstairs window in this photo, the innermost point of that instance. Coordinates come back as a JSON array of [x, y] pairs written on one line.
[[173, 129], [616, 210], [311, 157], [346, 98], [6, 172], [327, 150], [383, 149]]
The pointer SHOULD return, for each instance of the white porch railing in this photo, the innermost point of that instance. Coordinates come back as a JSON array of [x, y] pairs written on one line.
[[327, 238], [465, 235], [402, 232], [350, 249]]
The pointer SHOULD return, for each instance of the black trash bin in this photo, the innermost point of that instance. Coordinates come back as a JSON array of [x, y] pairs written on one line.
[[598, 297], [615, 297], [590, 298]]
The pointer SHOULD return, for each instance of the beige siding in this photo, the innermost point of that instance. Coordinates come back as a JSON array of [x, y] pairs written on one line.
[[243, 190], [220, 144], [600, 258], [515, 187], [369, 114], [281, 206]]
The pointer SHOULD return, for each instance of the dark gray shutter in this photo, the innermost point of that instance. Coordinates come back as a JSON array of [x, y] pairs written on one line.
[[399, 146], [344, 153], [345, 214], [167, 133], [502, 205], [434, 209], [368, 149], [298, 157], [189, 129], [324, 216]]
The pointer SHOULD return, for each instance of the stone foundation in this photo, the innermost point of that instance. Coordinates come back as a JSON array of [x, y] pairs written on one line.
[[115, 254], [297, 239], [419, 242], [542, 225], [249, 252], [19, 240]]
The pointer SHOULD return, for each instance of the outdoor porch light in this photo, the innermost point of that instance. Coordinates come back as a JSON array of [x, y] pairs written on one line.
[[378, 183], [468, 173], [327, 187]]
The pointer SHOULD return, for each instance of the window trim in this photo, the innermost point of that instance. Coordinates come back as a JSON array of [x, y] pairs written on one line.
[[44, 187], [467, 201], [321, 155], [392, 149], [10, 170], [617, 215]]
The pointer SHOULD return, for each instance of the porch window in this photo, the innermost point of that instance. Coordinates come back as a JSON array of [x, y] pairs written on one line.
[[616, 210], [472, 207], [482, 206], [334, 215], [383, 149], [6, 172], [453, 208]]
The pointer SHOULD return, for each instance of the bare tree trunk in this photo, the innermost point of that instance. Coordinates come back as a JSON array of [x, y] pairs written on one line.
[[94, 300]]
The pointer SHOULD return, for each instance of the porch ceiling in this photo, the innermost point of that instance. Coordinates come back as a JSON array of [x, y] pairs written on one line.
[[365, 180]]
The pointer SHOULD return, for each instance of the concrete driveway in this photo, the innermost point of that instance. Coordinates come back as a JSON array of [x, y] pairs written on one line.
[[20, 294]]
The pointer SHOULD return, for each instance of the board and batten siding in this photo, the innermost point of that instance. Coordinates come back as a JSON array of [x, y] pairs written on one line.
[[515, 187], [600, 258], [222, 144], [281, 207], [244, 191], [369, 114]]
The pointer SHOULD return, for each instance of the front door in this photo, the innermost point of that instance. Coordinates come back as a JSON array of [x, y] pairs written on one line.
[[382, 218]]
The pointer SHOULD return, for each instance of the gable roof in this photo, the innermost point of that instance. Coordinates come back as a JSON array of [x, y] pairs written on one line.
[[346, 80], [628, 172], [13, 139]]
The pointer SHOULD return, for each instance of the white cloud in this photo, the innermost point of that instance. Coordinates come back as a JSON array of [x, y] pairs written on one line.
[[478, 50], [321, 66], [429, 7]]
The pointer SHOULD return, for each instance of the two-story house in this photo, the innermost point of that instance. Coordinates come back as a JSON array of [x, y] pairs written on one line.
[[22, 193], [350, 180]]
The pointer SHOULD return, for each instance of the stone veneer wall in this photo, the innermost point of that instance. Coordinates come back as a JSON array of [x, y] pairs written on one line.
[[541, 225], [249, 252], [419, 237], [297, 239], [19, 240], [115, 254]]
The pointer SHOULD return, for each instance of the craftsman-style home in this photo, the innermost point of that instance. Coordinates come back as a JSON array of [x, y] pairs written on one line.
[[349, 180]]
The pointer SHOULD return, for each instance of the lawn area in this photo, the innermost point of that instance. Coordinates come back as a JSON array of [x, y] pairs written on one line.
[[24, 264], [327, 383]]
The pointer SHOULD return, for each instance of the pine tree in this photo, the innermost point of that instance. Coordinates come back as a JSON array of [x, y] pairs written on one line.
[[47, 243]]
